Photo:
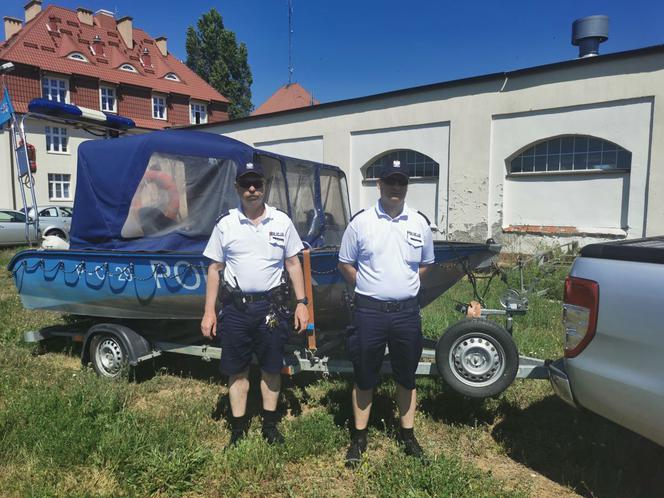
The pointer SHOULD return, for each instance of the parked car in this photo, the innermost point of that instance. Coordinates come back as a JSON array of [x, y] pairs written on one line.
[[53, 220], [614, 338], [12, 228]]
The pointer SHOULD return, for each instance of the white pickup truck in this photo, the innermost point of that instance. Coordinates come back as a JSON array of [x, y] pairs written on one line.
[[613, 361]]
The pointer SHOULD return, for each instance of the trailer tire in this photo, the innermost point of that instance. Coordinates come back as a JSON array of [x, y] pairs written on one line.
[[477, 358], [108, 356]]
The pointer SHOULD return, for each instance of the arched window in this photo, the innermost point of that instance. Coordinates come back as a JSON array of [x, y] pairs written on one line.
[[415, 163], [172, 77], [571, 153], [77, 56], [128, 67]]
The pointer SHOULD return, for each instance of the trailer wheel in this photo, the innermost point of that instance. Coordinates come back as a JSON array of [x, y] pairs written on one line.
[[477, 358], [108, 356]]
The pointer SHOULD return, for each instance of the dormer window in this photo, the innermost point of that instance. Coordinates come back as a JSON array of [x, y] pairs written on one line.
[[172, 77], [78, 56], [128, 67]]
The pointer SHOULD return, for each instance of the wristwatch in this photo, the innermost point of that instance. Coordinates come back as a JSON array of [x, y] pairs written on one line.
[[304, 301]]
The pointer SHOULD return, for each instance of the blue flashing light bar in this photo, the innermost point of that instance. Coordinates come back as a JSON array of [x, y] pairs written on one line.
[[76, 113]]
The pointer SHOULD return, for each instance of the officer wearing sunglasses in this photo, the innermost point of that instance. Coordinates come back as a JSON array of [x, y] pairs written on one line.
[[384, 252], [249, 248]]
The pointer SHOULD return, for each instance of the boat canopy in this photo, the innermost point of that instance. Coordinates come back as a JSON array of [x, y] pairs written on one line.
[[164, 191]]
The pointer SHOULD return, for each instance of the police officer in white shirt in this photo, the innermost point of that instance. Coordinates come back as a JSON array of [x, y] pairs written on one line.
[[384, 252], [251, 245]]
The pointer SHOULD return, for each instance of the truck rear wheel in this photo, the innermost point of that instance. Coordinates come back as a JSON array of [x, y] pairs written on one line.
[[477, 358], [108, 356]]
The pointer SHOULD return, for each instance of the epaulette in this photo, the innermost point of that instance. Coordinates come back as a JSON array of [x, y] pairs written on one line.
[[279, 209], [223, 215], [425, 218], [353, 217]]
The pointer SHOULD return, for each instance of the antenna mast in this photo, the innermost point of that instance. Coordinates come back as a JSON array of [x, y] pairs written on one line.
[[290, 41]]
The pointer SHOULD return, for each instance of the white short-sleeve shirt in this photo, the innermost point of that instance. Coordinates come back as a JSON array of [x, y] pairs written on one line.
[[387, 252], [253, 255]]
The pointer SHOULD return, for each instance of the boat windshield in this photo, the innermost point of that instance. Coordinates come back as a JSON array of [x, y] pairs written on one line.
[[181, 193]]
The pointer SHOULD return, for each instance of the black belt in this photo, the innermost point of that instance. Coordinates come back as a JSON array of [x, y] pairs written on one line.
[[362, 301], [254, 297]]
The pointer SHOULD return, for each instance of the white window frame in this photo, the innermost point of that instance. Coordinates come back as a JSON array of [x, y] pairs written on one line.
[[50, 82], [107, 89], [78, 56], [56, 186], [159, 101], [129, 68], [172, 77], [51, 133], [201, 106]]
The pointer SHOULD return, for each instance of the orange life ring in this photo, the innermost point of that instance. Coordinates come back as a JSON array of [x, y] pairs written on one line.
[[165, 182]]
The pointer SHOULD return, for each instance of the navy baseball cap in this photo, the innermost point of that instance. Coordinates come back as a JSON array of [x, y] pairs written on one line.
[[245, 169], [393, 168]]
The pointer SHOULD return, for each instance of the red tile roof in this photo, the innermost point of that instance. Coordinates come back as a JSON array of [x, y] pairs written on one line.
[[289, 96], [47, 40]]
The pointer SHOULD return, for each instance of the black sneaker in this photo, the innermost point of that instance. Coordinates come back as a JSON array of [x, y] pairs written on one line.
[[239, 429], [272, 435], [412, 448], [358, 445], [236, 437]]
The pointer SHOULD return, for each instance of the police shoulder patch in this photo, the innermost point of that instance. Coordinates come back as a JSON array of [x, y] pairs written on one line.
[[223, 215], [353, 217], [425, 217]]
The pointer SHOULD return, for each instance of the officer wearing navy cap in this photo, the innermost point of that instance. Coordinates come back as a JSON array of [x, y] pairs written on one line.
[[384, 252], [251, 245]]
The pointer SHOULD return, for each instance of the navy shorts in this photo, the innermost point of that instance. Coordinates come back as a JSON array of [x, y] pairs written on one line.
[[371, 331], [243, 333]]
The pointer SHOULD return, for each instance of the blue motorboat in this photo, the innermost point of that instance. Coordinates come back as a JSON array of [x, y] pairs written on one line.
[[144, 209]]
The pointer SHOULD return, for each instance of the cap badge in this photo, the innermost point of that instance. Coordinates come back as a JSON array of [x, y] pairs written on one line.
[[396, 164], [250, 166]]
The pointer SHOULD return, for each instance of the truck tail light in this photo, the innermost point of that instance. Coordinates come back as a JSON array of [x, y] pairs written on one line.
[[580, 306]]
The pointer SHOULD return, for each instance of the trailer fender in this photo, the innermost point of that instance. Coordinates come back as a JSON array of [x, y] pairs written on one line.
[[135, 344]]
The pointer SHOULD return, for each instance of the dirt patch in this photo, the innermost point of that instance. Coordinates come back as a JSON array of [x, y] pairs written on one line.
[[519, 477]]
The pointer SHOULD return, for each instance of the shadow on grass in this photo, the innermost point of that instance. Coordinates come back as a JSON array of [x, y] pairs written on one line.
[[582, 450]]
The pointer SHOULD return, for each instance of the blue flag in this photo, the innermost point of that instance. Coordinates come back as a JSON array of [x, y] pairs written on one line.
[[6, 108]]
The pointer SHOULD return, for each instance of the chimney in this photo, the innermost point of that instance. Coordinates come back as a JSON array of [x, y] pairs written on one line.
[[588, 33], [126, 29], [97, 47], [85, 16], [32, 8], [12, 26], [146, 59], [161, 45]]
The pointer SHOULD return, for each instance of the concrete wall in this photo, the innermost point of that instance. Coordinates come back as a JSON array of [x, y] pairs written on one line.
[[471, 129]]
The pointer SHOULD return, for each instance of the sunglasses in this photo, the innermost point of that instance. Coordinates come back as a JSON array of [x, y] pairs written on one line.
[[392, 180], [247, 183]]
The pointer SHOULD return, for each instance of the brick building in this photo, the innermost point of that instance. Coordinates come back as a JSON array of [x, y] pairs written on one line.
[[96, 61]]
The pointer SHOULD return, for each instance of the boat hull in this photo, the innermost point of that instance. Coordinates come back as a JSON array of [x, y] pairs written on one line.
[[134, 285]]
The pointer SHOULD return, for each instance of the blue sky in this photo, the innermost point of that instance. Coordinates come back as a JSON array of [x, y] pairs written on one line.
[[344, 49]]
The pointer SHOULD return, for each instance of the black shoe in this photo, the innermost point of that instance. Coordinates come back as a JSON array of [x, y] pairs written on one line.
[[411, 447], [270, 432], [358, 445], [272, 435], [239, 429], [236, 437]]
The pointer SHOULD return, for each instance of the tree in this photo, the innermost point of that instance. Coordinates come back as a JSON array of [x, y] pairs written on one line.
[[214, 54]]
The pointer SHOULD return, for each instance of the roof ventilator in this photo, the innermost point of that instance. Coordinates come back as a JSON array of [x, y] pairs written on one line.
[[588, 33]]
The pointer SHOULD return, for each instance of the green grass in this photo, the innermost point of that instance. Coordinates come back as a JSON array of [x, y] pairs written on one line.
[[65, 432]]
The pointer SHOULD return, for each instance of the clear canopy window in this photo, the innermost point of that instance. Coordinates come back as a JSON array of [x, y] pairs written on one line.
[[301, 190], [181, 193], [335, 206]]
